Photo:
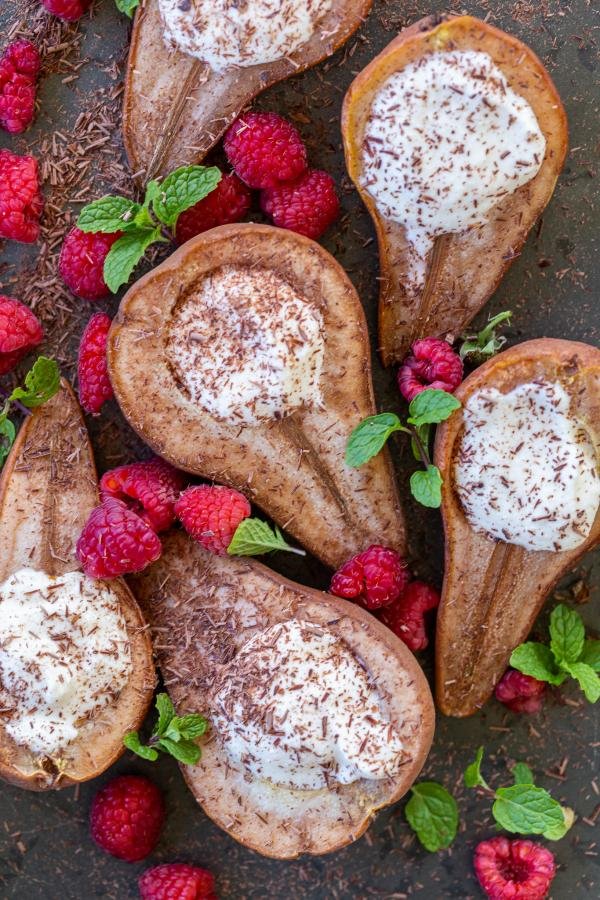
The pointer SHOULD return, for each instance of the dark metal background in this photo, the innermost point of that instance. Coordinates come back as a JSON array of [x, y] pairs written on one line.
[[45, 849]]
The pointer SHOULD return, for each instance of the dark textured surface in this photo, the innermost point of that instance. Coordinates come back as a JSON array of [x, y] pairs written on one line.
[[45, 850]]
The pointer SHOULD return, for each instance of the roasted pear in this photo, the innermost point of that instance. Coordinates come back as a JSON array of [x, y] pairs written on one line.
[[494, 589], [47, 491], [434, 283], [207, 613], [189, 327], [176, 107]]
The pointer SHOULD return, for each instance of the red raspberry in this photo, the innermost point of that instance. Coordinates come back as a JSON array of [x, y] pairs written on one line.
[[127, 817], [211, 515], [521, 693], [406, 617], [149, 488], [308, 205], [432, 364], [21, 201], [513, 870], [68, 10], [81, 263], [24, 57], [375, 577], [229, 202], [265, 149], [19, 69], [176, 881], [20, 332], [115, 541], [94, 384]]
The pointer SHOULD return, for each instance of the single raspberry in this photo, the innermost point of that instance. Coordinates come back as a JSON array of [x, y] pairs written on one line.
[[521, 693], [406, 617], [115, 541], [265, 149], [68, 10], [24, 57], [21, 201], [127, 817], [94, 384], [19, 67], [149, 488], [211, 515], [513, 870], [375, 577], [229, 202], [20, 332], [431, 364], [176, 881], [308, 205], [81, 263]]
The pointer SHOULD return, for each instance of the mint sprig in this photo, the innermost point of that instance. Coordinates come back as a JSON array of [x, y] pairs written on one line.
[[473, 777], [432, 813], [175, 735], [41, 384], [253, 537], [477, 348], [127, 6]]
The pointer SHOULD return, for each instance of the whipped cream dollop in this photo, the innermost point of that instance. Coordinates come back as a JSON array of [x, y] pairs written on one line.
[[246, 347], [296, 707], [526, 470], [224, 33], [64, 655], [446, 140]]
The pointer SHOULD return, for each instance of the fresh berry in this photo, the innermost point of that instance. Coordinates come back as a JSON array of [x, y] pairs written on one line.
[[211, 515], [21, 201], [94, 384], [149, 488], [19, 67], [521, 693], [431, 364], [176, 881], [308, 205], [68, 10], [229, 202], [115, 541], [81, 263], [513, 870], [406, 617], [375, 577], [20, 332], [265, 149], [127, 816]]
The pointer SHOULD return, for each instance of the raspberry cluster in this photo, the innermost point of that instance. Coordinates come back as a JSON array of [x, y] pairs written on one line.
[[19, 68], [21, 201], [432, 363], [20, 332]]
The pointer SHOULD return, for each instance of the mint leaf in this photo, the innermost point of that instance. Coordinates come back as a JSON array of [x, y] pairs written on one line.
[[591, 654], [556, 832], [183, 188], [166, 712], [432, 814], [183, 751], [41, 383], [479, 347], [108, 214], [426, 487], [567, 634], [369, 438], [536, 660], [132, 742], [522, 774], [432, 406], [589, 681], [525, 809], [190, 727], [125, 254], [253, 537], [473, 777], [7, 437], [127, 6]]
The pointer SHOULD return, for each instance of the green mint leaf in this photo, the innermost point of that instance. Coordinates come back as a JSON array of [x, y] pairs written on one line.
[[536, 660], [591, 654], [525, 809], [556, 832], [522, 774], [41, 383], [369, 438], [132, 742], [479, 347], [183, 751], [190, 727], [7, 438], [108, 214], [253, 537], [127, 6], [567, 634], [183, 188], [424, 435], [473, 777], [426, 487], [125, 254], [588, 680], [432, 814], [166, 712], [432, 406]]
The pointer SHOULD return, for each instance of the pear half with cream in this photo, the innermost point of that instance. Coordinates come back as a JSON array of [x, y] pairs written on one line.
[[454, 136], [195, 64], [76, 670], [245, 358], [319, 714], [521, 499]]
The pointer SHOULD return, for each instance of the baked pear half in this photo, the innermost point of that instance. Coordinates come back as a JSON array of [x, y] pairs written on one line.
[[176, 107], [244, 358], [52, 734], [520, 462], [454, 137], [233, 641]]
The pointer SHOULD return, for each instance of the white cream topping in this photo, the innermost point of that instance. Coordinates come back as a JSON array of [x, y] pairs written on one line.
[[527, 470], [226, 33], [447, 139], [64, 655], [246, 347], [296, 707]]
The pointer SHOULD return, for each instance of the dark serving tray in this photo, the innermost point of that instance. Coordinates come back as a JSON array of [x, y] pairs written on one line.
[[46, 852]]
